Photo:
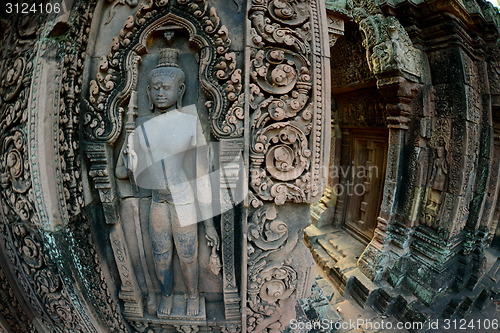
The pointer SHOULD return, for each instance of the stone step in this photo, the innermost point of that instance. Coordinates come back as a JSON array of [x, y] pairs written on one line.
[[464, 309], [482, 300], [362, 289], [331, 250]]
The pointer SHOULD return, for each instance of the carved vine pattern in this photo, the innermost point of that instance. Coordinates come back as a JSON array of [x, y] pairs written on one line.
[[282, 116], [286, 113], [220, 78], [271, 277]]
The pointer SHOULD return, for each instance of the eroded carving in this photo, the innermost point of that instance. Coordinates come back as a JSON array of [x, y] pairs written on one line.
[[388, 47]]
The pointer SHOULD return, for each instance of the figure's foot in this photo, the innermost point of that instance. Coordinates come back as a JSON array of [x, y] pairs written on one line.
[[165, 306], [193, 306]]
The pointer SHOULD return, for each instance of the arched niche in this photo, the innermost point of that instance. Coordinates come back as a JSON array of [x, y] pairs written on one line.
[[117, 97]]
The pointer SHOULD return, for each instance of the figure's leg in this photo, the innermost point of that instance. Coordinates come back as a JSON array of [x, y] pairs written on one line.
[[186, 243], [161, 238]]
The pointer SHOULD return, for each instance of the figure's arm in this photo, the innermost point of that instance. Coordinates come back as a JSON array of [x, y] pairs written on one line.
[[127, 160], [121, 171], [204, 187]]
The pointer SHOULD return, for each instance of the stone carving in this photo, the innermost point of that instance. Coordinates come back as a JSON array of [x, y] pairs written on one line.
[[439, 174], [271, 283], [289, 127], [43, 285], [10, 308], [172, 216], [112, 108], [230, 162], [439, 171], [36, 265], [131, 3], [284, 163], [90, 269], [335, 29], [388, 47], [219, 75], [231, 329]]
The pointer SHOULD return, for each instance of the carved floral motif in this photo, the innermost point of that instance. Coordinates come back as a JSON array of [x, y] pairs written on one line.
[[288, 108], [285, 125], [271, 281]]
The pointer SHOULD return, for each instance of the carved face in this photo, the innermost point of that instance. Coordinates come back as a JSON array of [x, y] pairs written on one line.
[[166, 89], [440, 151]]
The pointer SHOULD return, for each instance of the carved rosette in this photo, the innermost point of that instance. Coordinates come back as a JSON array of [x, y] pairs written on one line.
[[219, 76], [287, 102]]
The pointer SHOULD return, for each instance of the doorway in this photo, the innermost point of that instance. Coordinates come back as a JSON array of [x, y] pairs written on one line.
[[364, 181]]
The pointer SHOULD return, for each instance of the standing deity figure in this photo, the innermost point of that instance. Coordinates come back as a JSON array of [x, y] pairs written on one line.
[[154, 154], [437, 181]]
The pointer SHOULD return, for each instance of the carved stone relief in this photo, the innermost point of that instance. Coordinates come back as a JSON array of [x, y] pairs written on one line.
[[438, 173], [160, 253], [388, 47], [91, 256], [285, 163], [221, 79], [33, 253], [289, 118]]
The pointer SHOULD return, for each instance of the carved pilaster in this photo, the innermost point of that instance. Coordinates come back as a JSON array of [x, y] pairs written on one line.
[[289, 123], [230, 166], [398, 93]]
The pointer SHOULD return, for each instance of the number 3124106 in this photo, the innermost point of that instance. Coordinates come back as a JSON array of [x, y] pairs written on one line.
[[25, 8]]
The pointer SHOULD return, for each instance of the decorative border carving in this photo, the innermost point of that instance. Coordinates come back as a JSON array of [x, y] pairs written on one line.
[[271, 281], [289, 132]]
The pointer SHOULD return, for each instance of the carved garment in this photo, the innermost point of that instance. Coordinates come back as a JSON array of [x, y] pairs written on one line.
[[162, 145]]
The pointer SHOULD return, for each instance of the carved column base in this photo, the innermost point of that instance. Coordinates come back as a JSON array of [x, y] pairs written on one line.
[[129, 291]]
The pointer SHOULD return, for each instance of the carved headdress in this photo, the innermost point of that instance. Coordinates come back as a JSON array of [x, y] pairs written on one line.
[[168, 58], [168, 65]]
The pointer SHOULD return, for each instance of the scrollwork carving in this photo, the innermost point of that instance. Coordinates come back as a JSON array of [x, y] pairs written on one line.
[[286, 157], [289, 27], [286, 120], [271, 281]]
